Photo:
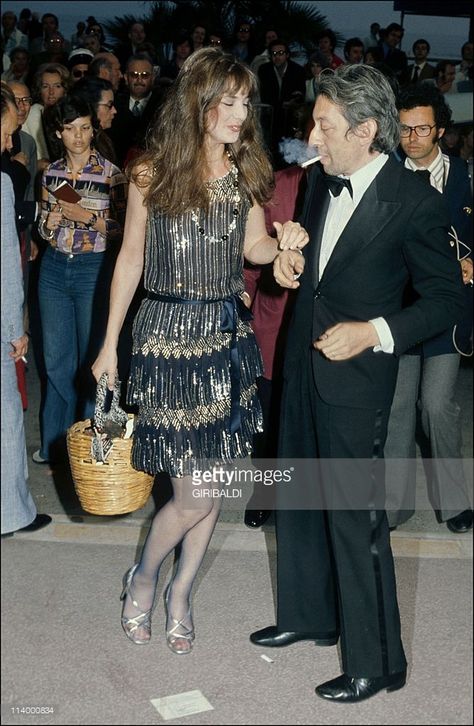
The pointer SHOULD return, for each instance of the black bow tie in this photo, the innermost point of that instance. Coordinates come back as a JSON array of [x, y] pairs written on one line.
[[335, 184], [425, 175]]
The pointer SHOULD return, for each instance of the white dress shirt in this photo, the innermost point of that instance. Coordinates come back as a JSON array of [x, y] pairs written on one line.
[[142, 103], [340, 211]]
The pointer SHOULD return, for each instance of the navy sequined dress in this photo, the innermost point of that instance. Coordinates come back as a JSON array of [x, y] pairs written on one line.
[[195, 359]]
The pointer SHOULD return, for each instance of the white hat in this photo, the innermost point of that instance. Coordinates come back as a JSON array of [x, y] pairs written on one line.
[[80, 51]]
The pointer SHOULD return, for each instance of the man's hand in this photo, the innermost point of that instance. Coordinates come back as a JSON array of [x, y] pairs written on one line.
[[287, 264], [20, 348], [346, 340], [33, 251], [291, 235]]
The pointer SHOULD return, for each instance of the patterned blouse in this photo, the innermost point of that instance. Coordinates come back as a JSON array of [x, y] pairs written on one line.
[[103, 188]]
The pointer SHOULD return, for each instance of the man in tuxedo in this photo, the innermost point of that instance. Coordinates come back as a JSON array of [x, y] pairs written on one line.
[[372, 226]]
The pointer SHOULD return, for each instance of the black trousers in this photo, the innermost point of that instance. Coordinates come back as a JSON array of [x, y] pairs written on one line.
[[334, 564]]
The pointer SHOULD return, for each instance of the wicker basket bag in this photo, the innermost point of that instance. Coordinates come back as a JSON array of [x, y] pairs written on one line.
[[113, 487]]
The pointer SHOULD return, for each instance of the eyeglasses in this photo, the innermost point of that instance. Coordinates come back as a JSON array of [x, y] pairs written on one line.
[[139, 74], [279, 52], [109, 105], [244, 29], [421, 130], [215, 42], [78, 73], [25, 100]]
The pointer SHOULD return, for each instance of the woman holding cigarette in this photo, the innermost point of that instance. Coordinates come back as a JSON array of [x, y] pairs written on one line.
[[76, 268]]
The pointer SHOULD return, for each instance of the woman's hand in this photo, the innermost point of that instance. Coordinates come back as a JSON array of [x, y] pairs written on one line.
[[291, 235], [106, 362], [54, 217], [74, 212]]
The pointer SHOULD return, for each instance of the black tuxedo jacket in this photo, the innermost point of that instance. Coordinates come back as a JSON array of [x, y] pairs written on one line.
[[128, 130], [397, 232]]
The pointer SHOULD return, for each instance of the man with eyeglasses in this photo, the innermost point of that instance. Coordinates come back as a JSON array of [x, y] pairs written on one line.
[[78, 63], [136, 107], [243, 46], [281, 81], [24, 151], [427, 374], [55, 52]]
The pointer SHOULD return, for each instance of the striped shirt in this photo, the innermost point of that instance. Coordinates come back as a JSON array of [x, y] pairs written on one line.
[[439, 170], [103, 188]]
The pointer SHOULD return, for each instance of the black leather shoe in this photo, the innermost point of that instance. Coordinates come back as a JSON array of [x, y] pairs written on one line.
[[40, 521], [271, 637], [345, 689], [461, 522], [256, 517]]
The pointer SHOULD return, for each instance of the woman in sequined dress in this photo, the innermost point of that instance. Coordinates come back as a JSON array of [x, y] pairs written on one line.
[[194, 211]]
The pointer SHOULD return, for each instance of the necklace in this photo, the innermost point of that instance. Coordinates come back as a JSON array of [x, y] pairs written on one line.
[[224, 189]]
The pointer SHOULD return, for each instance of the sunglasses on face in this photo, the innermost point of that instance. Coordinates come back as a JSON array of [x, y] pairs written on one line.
[[278, 52], [24, 100], [139, 74], [244, 30], [78, 73]]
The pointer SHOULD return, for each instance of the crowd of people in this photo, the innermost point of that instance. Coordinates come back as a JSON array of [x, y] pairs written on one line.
[[137, 181]]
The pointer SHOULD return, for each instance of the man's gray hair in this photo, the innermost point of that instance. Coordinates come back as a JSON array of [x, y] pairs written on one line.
[[362, 92]]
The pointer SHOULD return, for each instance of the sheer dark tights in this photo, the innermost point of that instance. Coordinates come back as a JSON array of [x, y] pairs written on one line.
[[184, 520]]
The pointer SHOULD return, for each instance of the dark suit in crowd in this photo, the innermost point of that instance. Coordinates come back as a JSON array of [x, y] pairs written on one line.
[[129, 130], [293, 84]]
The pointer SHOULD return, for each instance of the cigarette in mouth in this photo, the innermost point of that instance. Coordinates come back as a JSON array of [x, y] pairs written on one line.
[[310, 161]]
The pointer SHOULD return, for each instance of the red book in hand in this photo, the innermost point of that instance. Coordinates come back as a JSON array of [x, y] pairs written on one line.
[[65, 193]]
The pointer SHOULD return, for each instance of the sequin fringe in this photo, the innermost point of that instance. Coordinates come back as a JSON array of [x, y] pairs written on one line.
[[181, 450], [180, 380]]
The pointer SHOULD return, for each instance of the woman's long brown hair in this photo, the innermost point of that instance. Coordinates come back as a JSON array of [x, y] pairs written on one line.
[[174, 167]]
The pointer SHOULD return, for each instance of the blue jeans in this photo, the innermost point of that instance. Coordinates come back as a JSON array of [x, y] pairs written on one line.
[[73, 293]]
